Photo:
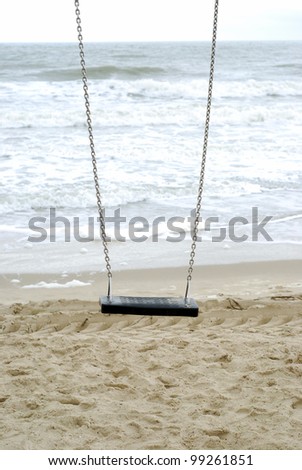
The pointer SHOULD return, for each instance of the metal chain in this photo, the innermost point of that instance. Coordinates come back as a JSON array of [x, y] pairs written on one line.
[[93, 154], [204, 152], [91, 144]]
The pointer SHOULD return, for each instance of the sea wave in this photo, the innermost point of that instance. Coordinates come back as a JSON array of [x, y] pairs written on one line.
[[79, 198], [104, 72], [147, 102]]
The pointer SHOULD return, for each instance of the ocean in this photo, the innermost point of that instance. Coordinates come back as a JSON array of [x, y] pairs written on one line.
[[148, 108]]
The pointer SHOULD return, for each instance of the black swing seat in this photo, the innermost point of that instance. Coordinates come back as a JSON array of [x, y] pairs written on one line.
[[161, 306]]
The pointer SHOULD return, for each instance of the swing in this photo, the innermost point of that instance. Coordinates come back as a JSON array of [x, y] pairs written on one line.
[[162, 306]]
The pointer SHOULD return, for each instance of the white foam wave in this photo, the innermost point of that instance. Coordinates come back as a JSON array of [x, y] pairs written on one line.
[[144, 102], [56, 285]]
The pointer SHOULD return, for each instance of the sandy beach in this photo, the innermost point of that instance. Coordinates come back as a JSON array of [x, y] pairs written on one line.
[[72, 378]]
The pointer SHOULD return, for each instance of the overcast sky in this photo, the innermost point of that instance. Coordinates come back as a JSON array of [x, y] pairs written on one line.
[[150, 20]]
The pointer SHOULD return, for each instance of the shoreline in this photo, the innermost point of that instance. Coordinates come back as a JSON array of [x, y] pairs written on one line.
[[244, 279]]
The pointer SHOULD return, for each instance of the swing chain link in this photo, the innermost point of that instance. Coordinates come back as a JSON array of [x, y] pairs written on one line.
[[91, 145], [204, 152]]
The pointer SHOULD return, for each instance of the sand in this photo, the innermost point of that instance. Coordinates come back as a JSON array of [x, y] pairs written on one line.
[[72, 378]]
